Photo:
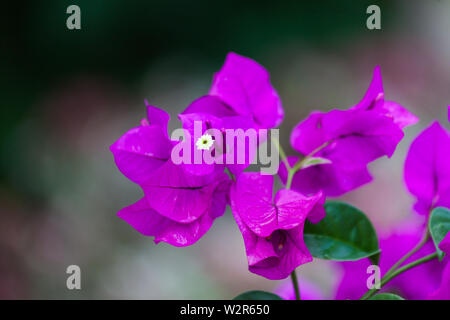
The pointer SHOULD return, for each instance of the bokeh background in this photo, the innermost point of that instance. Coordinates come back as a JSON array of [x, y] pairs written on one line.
[[66, 96]]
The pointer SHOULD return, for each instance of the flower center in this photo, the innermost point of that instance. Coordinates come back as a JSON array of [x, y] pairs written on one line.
[[278, 239], [204, 142]]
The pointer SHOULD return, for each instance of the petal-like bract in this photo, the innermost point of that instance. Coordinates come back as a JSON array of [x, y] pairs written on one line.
[[149, 222], [143, 149], [252, 196], [427, 169], [272, 228], [245, 86], [179, 195], [443, 292], [374, 100], [236, 139], [179, 207], [349, 140], [445, 244]]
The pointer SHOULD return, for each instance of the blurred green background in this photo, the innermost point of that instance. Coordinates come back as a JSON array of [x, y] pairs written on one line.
[[67, 95]]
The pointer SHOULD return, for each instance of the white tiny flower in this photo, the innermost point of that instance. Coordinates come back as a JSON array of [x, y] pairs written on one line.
[[204, 142]]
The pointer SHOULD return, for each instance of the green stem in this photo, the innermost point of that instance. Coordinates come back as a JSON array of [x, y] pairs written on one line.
[[282, 153], [299, 165], [301, 162], [408, 266], [289, 179], [410, 253], [291, 172], [293, 274], [389, 277], [393, 269], [295, 283], [231, 175], [288, 186]]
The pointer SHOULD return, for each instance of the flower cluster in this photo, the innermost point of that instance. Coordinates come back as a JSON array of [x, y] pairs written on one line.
[[273, 228], [178, 207], [427, 175], [349, 139], [182, 200]]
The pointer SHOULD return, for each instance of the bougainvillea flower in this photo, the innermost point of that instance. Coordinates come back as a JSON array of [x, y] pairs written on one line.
[[232, 146], [143, 149], [156, 116], [272, 228], [244, 85], [416, 283], [374, 100], [427, 169], [354, 138], [443, 292], [349, 140], [180, 196], [178, 208], [445, 244], [205, 142]]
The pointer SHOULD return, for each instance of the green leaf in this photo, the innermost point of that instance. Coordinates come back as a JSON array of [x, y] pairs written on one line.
[[345, 234], [386, 296], [439, 226], [375, 259], [257, 295], [312, 161]]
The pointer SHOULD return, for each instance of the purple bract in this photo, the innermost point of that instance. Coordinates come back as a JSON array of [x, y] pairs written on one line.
[[273, 228]]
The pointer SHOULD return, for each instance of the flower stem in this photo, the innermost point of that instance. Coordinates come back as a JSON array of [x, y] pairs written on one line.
[[230, 174], [293, 274], [408, 266], [301, 162], [289, 179], [392, 271], [410, 253], [299, 165], [296, 287], [291, 171], [282, 153], [388, 277]]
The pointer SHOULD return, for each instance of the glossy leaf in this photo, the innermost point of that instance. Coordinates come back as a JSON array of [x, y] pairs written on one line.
[[345, 234], [386, 296], [257, 295], [439, 226], [375, 259]]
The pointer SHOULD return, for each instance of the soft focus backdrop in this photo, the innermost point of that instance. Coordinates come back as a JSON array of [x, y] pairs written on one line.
[[66, 96]]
